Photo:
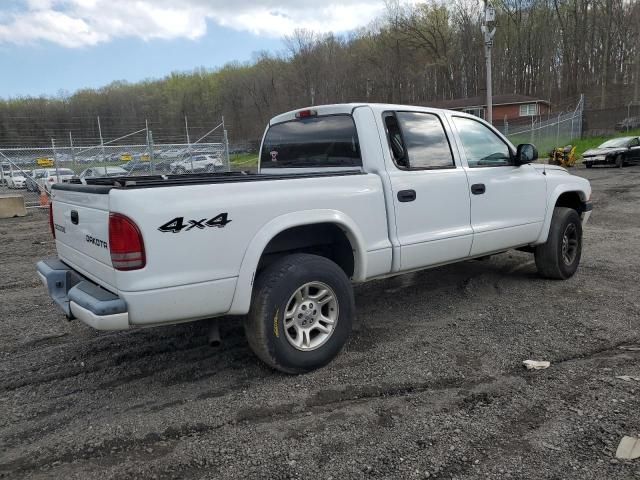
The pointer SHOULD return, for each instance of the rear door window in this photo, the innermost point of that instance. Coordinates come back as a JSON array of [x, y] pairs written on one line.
[[418, 141], [326, 141]]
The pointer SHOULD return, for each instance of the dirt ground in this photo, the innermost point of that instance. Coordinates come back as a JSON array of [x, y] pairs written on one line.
[[430, 386]]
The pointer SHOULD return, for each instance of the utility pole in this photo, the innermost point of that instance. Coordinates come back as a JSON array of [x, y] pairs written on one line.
[[489, 30]]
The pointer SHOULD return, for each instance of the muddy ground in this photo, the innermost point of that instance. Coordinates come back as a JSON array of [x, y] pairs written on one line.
[[430, 386]]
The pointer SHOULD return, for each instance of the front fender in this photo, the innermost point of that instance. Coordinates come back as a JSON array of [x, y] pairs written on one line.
[[583, 189], [244, 287]]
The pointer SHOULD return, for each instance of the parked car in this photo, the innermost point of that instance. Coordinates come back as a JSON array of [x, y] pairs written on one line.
[[617, 151], [197, 163], [172, 153], [135, 167], [50, 176], [628, 123], [344, 194], [17, 178], [5, 172], [103, 172], [31, 182]]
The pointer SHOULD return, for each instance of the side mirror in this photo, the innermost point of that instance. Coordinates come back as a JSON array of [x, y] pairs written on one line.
[[526, 153]]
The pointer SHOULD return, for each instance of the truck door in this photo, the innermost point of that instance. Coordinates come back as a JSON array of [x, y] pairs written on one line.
[[508, 202], [430, 192]]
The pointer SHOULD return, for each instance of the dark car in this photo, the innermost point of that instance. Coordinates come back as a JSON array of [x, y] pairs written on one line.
[[137, 168], [617, 151]]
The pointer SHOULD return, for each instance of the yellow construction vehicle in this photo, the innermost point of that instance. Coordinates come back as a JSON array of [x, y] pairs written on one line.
[[563, 156]]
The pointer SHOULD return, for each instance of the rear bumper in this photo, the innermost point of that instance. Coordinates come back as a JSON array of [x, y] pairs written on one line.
[[79, 298]]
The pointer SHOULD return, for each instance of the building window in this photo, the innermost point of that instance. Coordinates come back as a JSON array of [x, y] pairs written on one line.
[[477, 111], [529, 110]]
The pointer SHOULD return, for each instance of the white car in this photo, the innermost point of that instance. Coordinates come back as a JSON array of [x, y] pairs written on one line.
[[199, 163], [103, 172], [17, 178], [48, 177], [344, 194]]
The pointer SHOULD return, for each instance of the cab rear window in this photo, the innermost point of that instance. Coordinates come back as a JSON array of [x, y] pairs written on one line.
[[326, 141]]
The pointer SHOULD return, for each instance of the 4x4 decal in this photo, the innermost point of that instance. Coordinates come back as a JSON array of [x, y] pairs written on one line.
[[178, 224]]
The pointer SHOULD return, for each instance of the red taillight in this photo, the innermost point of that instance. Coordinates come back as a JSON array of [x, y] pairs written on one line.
[[53, 230], [125, 243], [306, 113], [51, 180]]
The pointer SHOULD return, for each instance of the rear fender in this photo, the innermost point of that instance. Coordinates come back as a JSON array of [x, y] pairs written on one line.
[[244, 287]]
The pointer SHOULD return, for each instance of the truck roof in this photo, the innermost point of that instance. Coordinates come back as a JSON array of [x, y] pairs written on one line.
[[347, 108]]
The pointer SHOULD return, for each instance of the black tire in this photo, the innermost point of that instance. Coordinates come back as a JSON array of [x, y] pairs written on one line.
[[273, 289], [619, 161], [180, 171], [588, 165], [551, 257]]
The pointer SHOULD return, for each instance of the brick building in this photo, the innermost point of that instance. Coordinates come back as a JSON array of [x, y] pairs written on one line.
[[512, 107]]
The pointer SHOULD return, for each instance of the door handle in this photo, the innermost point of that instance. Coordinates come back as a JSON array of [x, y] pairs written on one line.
[[478, 188], [406, 195], [74, 217]]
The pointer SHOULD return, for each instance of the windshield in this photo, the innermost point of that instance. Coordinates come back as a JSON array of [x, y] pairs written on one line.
[[616, 143]]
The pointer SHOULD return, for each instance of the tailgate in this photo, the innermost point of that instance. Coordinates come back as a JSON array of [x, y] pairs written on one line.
[[81, 223]]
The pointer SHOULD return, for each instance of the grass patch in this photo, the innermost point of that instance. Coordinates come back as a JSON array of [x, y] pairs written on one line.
[[243, 160]]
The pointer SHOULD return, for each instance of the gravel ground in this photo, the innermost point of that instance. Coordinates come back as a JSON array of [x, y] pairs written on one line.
[[431, 384]]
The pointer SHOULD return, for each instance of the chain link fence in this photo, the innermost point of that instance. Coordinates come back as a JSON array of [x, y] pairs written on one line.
[[548, 131], [33, 170]]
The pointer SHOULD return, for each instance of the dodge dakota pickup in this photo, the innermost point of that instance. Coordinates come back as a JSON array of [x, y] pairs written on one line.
[[343, 194]]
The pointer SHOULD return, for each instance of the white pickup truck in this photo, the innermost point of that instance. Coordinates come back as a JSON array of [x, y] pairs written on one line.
[[344, 194]]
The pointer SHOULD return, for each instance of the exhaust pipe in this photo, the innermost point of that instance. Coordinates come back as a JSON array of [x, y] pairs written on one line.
[[214, 334]]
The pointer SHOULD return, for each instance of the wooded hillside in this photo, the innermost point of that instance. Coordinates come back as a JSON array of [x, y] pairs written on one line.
[[551, 49]]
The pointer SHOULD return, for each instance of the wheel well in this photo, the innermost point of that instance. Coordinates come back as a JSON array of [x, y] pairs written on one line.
[[571, 200], [325, 239]]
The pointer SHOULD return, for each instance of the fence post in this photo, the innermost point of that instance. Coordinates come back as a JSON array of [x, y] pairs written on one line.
[[533, 135], [150, 147], [73, 152], [506, 126], [55, 158], [186, 128], [101, 140], [226, 146], [558, 131]]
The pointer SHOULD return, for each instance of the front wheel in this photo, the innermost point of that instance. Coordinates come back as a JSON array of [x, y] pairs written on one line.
[[619, 161], [301, 313], [559, 257]]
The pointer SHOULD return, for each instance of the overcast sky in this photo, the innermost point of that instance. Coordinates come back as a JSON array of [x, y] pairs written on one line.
[[52, 45]]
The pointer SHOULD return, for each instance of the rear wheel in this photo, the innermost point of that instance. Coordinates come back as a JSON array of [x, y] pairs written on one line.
[[559, 257], [301, 313], [588, 165]]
